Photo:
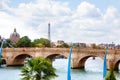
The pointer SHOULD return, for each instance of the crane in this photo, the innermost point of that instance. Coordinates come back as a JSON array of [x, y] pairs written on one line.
[[2, 43]]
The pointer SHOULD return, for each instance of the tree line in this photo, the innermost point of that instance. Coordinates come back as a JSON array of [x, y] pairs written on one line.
[[25, 41]]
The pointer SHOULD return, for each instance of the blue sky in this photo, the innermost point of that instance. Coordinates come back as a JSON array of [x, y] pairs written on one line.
[[15, 3], [89, 21], [102, 4]]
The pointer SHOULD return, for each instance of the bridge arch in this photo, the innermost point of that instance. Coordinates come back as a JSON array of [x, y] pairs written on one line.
[[116, 66], [53, 56], [19, 59], [81, 61], [4, 61]]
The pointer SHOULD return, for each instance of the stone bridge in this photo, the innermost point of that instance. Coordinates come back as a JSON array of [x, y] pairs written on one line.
[[16, 56]]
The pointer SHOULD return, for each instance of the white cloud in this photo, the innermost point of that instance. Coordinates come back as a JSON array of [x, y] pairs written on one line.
[[86, 23], [87, 10], [112, 13]]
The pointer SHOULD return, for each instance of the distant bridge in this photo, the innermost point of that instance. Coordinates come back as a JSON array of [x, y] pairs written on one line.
[[16, 56]]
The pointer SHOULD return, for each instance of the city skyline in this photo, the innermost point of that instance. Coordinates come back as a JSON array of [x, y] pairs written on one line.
[[86, 21]]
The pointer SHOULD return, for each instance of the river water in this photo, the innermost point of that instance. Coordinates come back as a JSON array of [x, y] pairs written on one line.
[[93, 71]]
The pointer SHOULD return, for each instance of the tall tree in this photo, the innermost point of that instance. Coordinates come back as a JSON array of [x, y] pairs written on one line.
[[37, 41], [45, 42], [24, 42], [38, 69]]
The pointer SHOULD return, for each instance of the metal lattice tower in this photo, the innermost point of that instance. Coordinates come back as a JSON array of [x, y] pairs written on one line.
[[49, 37]]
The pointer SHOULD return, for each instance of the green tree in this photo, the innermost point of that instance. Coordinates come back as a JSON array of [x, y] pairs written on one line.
[[33, 44], [37, 41], [24, 42], [38, 69], [45, 42], [65, 45], [94, 46], [39, 45]]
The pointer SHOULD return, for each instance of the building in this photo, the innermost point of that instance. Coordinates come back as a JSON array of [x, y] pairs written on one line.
[[60, 42], [102, 45], [14, 37], [117, 46], [109, 46], [76, 44], [83, 45], [79, 44]]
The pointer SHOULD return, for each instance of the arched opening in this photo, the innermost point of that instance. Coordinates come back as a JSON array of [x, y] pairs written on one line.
[[56, 56], [58, 61], [95, 65], [19, 60], [91, 63], [3, 64], [117, 66]]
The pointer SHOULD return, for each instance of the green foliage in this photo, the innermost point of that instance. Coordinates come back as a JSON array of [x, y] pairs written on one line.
[[8, 40], [39, 45], [64, 45], [15, 45], [37, 41], [110, 75], [24, 42], [38, 69], [45, 42], [33, 44], [76, 47], [94, 46], [42, 42]]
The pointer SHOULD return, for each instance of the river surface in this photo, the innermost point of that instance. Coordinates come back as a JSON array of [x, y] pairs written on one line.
[[93, 71]]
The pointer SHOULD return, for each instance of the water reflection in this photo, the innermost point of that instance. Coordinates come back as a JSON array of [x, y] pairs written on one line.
[[76, 74], [10, 73], [119, 67], [94, 65], [93, 71]]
